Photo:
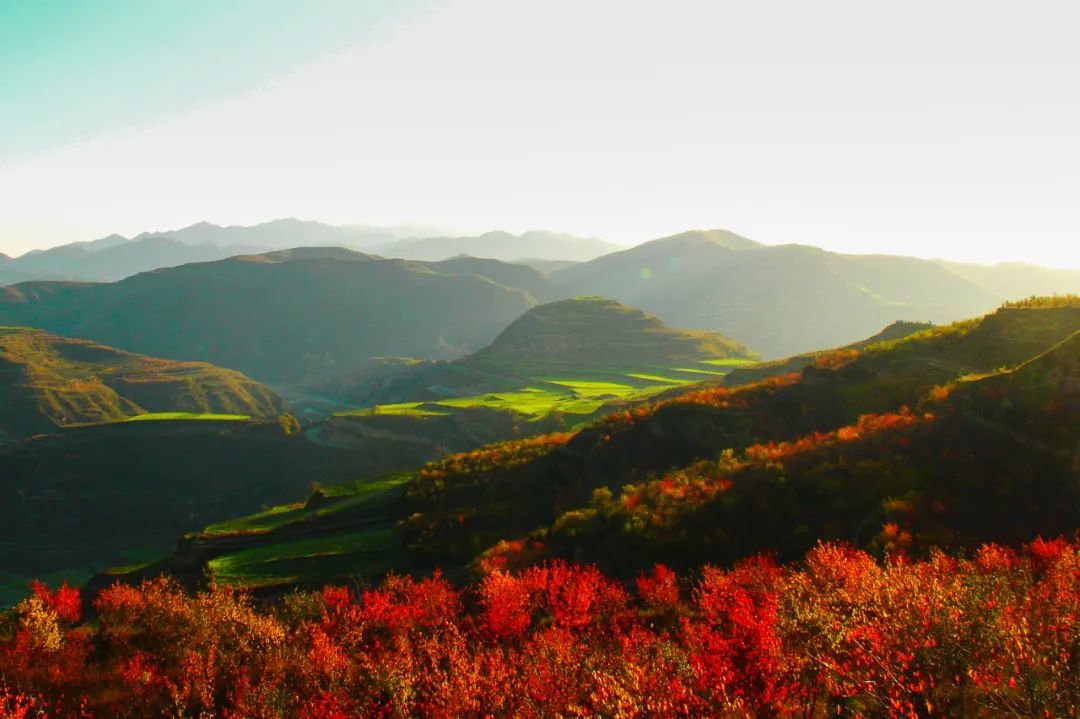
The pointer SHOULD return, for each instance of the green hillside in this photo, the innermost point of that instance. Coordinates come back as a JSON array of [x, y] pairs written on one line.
[[48, 382], [799, 461], [572, 357], [777, 368], [75, 501]]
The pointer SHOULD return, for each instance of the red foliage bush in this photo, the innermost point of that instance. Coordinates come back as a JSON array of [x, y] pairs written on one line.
[[839, 634]]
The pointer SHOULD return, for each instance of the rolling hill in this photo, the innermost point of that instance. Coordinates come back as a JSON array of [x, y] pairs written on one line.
[[278, 317], [830, 452], [48, 382], [574, 358]]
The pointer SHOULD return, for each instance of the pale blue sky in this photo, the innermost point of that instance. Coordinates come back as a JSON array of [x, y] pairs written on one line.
[[71, 70], [928, 128]]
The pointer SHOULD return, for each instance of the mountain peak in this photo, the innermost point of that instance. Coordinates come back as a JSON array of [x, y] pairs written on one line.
[[298, 254], [719, 237]]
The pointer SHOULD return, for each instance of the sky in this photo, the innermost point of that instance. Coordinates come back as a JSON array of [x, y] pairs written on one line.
[[927, 128]]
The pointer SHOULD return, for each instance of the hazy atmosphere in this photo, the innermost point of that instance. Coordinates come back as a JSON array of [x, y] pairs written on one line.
[[931, 129], [519, 359]]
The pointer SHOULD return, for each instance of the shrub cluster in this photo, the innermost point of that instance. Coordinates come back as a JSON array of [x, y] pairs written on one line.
[[838, 634]]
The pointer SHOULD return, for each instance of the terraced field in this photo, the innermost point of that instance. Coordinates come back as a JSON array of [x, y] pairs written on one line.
[[187, 416], [344, 530], [579, 393]]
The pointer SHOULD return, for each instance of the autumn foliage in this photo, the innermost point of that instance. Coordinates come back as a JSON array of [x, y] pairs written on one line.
[[838, 634]]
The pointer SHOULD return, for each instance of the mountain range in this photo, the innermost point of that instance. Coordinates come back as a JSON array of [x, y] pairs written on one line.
[[116, 257], [778, 301]]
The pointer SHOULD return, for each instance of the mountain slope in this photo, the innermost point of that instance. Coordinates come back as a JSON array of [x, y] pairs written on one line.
[[277, 317], [48, 382], [523, 277], [989, 459], [776, 368], [75, 501], [780, 300]]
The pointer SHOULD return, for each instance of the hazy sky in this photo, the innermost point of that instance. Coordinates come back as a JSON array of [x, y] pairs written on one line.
[[933, 128]]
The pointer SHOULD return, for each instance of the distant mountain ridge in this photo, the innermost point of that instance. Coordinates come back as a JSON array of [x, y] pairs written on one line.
[[779, 300], [535, 244], [116, 257]]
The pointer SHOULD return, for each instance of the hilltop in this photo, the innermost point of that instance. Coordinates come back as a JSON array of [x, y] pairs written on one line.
[[596, 329], [47, 382], [821, 454], [573, 357], [278, 317]]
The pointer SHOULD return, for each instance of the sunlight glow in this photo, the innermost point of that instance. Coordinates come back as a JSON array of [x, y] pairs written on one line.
[[851, 126]]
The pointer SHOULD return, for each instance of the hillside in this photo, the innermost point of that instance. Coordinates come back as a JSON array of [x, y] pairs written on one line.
[[573, 358], [75, 501], [989, 459], [777, 368], [533, 281], [596, 329], [48, 382], [816, 299], [850, 402], [278, 317]]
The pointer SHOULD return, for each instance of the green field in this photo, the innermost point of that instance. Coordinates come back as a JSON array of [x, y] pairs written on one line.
[[369, 492], [374, 551], [576, 391], [201, 416], [343, 535]]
